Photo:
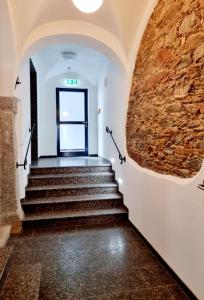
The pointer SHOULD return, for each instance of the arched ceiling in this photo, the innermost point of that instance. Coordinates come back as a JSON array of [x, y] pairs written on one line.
[[120, 23], [119, 17], [50, 63], [29, 14]]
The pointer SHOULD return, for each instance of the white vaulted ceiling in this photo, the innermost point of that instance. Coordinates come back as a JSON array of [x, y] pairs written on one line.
[[117, 25], [122, 18], [29, 14], [88, 62]]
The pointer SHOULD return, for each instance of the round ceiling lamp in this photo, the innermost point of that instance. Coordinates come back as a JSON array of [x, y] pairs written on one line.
[[88, 6]]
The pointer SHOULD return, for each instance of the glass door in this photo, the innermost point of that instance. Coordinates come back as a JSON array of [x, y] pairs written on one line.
[[72, 122]]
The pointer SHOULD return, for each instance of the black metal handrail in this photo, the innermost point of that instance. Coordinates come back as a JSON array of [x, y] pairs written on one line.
[[201, 186], [25, 160], [122, 158]]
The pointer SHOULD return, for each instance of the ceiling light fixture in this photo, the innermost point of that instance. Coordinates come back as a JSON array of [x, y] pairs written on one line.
[[69, 55], [89, 6]]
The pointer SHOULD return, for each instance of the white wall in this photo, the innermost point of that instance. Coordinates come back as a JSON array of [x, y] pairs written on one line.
[[7, 51], [23, 124], [111, 89], [47, 129], [167, 210]]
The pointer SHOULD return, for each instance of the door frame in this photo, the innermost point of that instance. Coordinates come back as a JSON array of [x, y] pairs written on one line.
[[33, 111], [71, 154]]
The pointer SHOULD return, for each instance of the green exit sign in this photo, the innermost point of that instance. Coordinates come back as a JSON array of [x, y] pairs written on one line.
[[72, 82]]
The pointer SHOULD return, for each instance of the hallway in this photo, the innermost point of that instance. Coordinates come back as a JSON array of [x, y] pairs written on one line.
[[93, 262], [101, 144]]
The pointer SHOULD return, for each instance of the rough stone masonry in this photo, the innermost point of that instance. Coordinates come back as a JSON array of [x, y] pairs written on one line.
[[165, 121]]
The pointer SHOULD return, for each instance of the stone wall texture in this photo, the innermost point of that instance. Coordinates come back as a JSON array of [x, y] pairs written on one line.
[[8, 196], [165, 121]]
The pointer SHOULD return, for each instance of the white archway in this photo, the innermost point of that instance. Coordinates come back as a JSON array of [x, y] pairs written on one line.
[[75, 32], [84, 34]]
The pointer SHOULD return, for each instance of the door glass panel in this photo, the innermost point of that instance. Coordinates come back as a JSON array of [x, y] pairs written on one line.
[[72, 106], [72, 137]]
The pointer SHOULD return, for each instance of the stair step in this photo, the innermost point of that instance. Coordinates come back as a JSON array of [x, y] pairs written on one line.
[[72, 202], [75, 217], [74, 214], [5, 254], [71, 186], [71, 199], [70, 170], [76, 178], [23, 282], [72, 192], [70, 189]]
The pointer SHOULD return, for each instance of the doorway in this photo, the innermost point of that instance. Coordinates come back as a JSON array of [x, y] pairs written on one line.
[[33, 112], [72, 122]]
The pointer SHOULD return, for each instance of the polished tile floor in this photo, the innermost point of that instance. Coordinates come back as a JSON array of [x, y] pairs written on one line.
[[100, 262], [70, 162]]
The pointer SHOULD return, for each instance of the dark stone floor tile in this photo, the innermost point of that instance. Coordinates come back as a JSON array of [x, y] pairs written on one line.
[[156, 276], [92, 229], [39, 242], [177, 293], [22, 283], [56, 256], [110, 239], [63, 230], [5, 254], [21, 245], [22, 237], [45, 242], [23, 257], [94, 262], [10, 242], [148, 294], [58, 284], [84, 286], [24, 234], [101, 283]]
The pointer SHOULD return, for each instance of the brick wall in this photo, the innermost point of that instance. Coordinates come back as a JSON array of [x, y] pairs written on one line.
[[165, 121]]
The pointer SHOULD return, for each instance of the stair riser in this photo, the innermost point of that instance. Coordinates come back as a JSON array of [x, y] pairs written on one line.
[[68, 170], [109, 219], [70, 192], [72, 180], [99, 204]]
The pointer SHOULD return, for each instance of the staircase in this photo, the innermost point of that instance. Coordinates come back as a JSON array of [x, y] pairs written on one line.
[[72, 195]]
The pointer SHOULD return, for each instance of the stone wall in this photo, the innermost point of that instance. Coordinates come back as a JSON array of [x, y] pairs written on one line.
[[165, 121], [8, 195]]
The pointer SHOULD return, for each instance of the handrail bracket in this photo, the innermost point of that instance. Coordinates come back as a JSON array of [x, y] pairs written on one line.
[[25, 160]]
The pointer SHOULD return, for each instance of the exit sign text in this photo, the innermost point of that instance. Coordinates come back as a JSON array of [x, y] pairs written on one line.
[[72, 82]]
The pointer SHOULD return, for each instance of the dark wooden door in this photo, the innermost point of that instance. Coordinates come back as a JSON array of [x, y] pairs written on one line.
[[33, 111]]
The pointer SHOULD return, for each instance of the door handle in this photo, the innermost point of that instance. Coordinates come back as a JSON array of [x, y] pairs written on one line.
[[85, 123]]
